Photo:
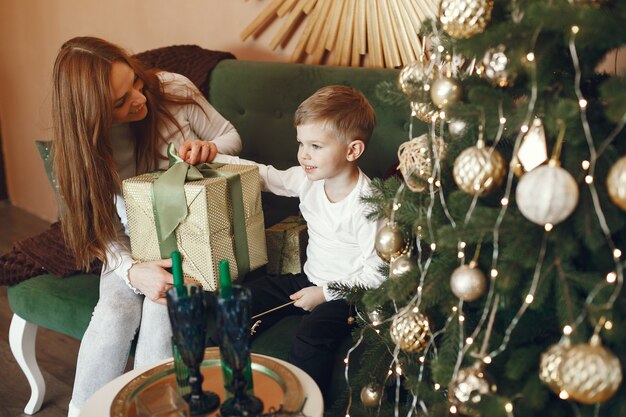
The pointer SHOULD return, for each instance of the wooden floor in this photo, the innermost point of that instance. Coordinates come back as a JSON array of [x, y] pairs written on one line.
[[56, 353]]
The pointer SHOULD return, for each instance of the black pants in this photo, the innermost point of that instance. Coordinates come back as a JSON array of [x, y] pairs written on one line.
[[319, 333]]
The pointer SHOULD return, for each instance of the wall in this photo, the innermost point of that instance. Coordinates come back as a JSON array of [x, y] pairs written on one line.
[[31, 32]]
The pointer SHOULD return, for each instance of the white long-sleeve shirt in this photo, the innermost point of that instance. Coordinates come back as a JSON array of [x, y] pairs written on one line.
[[197, 122], [341, 239]]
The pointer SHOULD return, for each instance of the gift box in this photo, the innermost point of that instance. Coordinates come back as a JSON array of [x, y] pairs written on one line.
[[286, 246], [207, 231]]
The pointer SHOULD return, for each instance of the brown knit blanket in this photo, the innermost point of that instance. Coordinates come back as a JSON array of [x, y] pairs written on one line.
[[40, 254], [46, 252], [191, 61]]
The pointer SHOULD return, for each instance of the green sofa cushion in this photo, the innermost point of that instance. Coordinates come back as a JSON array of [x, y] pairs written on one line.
[[60, 304], [264, 114], [260, 99]]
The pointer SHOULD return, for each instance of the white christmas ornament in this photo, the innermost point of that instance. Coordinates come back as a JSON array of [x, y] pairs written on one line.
[[548, 194], [468, 282]]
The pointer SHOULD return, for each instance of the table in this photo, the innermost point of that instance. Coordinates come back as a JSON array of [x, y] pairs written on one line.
[[99, 404]]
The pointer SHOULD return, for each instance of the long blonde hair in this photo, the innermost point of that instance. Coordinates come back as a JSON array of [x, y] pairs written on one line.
[[82, 111]]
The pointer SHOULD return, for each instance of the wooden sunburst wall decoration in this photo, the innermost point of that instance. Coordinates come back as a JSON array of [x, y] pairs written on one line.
[[373, 33]]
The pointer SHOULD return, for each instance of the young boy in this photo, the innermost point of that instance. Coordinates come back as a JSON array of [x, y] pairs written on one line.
[[333, 128]]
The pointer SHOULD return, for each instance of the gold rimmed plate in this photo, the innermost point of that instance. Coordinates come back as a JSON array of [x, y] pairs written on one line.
[[274, 384]]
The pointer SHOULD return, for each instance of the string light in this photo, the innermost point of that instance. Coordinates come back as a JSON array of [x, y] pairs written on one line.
[[453, 409], [611, 277], [582, 103], [422, 359], [398, 370], [617, 253], [524, 128], [469, 340], [460, 255], [508, 407], [575, 29], [345, 360], [585, 164], [588, 179], [433, 246], [487, 359], [530, 57], [608, 325], [504, 201], [442, 115], [461, 318], [567, 330], [494, 273], [563, 395], [502, 120], [437, 386], [548, 227], [529, 299]]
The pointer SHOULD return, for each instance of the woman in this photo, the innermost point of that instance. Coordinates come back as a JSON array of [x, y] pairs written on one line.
[[113, 120]]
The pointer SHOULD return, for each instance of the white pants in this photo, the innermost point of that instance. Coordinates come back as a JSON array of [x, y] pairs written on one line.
[[106, 344]]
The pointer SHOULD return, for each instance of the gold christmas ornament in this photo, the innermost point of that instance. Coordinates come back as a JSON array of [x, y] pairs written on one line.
[[402, 264], [371, 395], [493, 67], [416, 160], [457, 127], [533, 150], [467, 389], [410, 330], [550, 363], [445, 91], [547, 194], [616, 183], [389, 242], [468, 282], [463, 19], [479, 170], [590, 372], [412, 81]]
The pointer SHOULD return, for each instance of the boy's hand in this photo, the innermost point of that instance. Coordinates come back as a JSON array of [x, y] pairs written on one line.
[[152, 279], [197, 151], [308, 298]]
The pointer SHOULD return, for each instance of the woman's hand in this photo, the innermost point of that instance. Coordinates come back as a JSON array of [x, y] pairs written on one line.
[[308, 298], [197, 151], [152, 279]]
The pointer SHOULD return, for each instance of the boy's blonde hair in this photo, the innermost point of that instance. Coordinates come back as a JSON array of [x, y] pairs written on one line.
[[342, 109]]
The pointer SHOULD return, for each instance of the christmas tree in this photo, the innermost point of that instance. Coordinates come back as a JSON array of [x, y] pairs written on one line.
[[503, 233]]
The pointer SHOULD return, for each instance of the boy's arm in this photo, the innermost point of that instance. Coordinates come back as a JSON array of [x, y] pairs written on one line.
[[280, 182]]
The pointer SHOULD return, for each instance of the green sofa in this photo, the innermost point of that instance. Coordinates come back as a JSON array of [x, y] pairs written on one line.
[[259, 98]]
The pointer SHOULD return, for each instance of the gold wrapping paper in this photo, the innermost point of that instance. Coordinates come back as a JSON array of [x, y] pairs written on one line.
[[205, 236], [286, 246]]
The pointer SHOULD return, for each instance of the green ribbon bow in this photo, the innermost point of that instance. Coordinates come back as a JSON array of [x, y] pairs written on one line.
[[169, 204]]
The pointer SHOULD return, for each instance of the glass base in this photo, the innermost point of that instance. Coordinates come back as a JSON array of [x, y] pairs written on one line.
[[205, 404], [249, 407]]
